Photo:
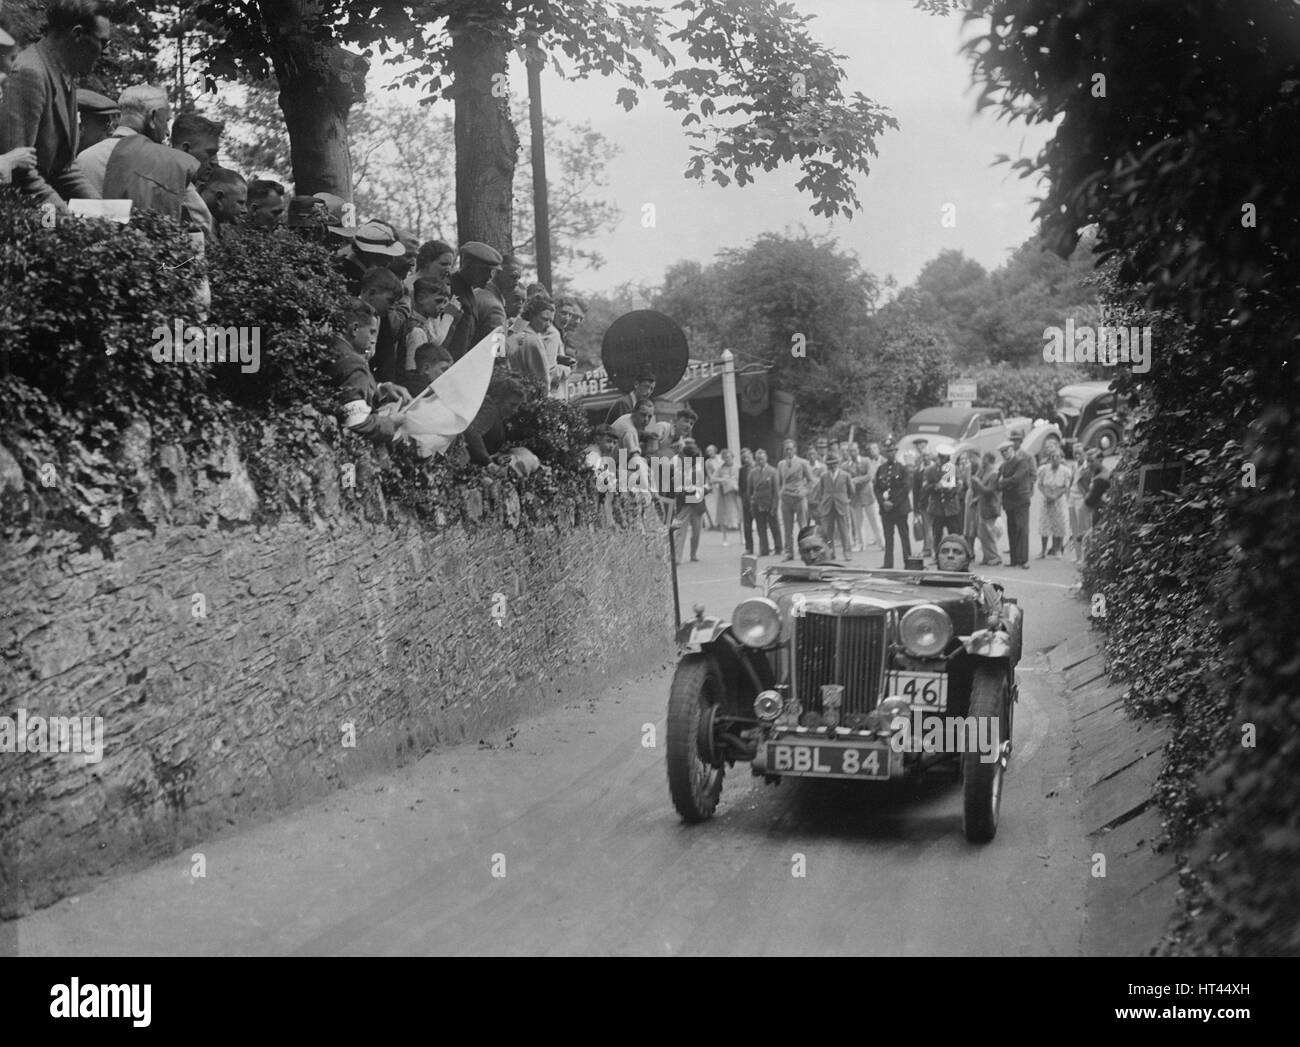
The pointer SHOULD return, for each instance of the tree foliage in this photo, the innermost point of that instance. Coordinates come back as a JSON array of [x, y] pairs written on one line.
[[759, 91], [1176, 138]]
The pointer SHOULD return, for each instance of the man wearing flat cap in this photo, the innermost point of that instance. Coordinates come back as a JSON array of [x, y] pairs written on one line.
[[893, 488], [477, 318], [1016, 478], [98, 115], [832, 495]]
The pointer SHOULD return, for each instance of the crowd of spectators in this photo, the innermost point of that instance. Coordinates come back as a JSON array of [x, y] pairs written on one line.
[[412, 309], [858, 501]]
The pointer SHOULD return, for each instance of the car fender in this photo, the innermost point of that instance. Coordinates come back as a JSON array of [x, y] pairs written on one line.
[[695, 634]]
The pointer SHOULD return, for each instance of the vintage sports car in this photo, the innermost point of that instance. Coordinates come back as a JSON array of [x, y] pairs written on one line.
[[849, 673]]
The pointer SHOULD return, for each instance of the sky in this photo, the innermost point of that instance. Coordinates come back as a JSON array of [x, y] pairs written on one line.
[[942, 153]]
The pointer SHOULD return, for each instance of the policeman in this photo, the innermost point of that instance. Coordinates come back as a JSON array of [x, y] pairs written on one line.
[[892, 486]]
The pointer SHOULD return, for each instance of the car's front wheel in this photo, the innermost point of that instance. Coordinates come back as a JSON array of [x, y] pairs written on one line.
[[697, 694], [982, 779]]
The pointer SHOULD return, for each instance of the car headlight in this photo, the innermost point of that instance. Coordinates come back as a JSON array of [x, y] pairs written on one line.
[[757, 622], [925, 630]]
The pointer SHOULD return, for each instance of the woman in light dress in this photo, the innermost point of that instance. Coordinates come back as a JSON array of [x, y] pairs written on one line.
[[1054, 485], [727, 485]]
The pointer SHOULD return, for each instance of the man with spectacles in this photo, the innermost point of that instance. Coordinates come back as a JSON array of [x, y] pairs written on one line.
[[39, 108]]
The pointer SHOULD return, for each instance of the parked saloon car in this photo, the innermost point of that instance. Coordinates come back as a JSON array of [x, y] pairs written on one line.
[[970, 428], [1089, 413], [851, 673]]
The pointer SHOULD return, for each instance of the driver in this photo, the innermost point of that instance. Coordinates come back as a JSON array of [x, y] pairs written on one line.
[[955, 555], [814, 549]]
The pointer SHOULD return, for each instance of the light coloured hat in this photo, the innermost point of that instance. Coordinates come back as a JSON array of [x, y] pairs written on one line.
[[6, 41], [944, 450], [376, 238]]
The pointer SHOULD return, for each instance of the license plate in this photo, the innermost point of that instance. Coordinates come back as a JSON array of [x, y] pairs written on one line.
[[929, 691], [826, 760]]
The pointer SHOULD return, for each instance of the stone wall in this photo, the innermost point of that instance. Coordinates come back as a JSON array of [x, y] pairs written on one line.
[[226, 659]]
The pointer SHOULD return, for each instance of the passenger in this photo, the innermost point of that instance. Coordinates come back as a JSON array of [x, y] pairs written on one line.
[[814, 550], [955, 555]]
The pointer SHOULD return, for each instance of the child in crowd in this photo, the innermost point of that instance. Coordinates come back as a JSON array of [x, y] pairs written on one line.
[[360, 394]]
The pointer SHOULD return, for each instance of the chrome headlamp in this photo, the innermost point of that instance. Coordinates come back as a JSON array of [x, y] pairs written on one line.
[[757, 622], [925, 630]]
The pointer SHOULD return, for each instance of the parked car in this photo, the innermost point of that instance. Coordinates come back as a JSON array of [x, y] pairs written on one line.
[[849, 673], [1089, 413], [978, 428]]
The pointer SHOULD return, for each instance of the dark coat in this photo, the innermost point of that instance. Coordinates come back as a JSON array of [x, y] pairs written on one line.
[[893, 483], [40, 109]]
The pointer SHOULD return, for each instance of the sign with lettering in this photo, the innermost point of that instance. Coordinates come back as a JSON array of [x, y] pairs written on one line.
[[644, 340], [962, 390]]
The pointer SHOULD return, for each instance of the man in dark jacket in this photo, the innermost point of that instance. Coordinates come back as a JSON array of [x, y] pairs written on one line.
[[1016, 484], [39, 108], [892, 486], [764, 487], [478, 315]]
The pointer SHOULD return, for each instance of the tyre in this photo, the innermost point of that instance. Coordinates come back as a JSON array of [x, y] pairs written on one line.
[[981, 781], [697, 692], [1104, 438]]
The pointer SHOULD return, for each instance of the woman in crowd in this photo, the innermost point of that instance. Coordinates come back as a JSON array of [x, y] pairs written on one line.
[[728, 494], [1054, 484], [712, 464]]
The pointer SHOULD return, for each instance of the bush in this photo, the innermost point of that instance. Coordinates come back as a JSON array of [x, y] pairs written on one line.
[[288, 290], [82, 301]]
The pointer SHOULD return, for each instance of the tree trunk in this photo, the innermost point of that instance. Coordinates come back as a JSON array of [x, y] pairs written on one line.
[[319, 82], [487, 145]]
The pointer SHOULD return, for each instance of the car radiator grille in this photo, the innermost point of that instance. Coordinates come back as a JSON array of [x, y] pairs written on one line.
[[839, 650]]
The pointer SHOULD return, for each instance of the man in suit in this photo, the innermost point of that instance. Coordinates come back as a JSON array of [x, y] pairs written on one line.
[[1016, 478], [893, 487], [39, 108], [746, 513], [834, 495], [764, 487], [796, 481]]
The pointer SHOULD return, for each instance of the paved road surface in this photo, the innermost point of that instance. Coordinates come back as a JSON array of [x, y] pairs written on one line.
[[573, 808]]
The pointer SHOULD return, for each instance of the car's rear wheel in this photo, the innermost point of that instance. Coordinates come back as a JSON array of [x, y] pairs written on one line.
[[694, 773], [981, 779]]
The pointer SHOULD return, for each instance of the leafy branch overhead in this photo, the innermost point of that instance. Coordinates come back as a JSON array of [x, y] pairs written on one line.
[[756, 90]]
